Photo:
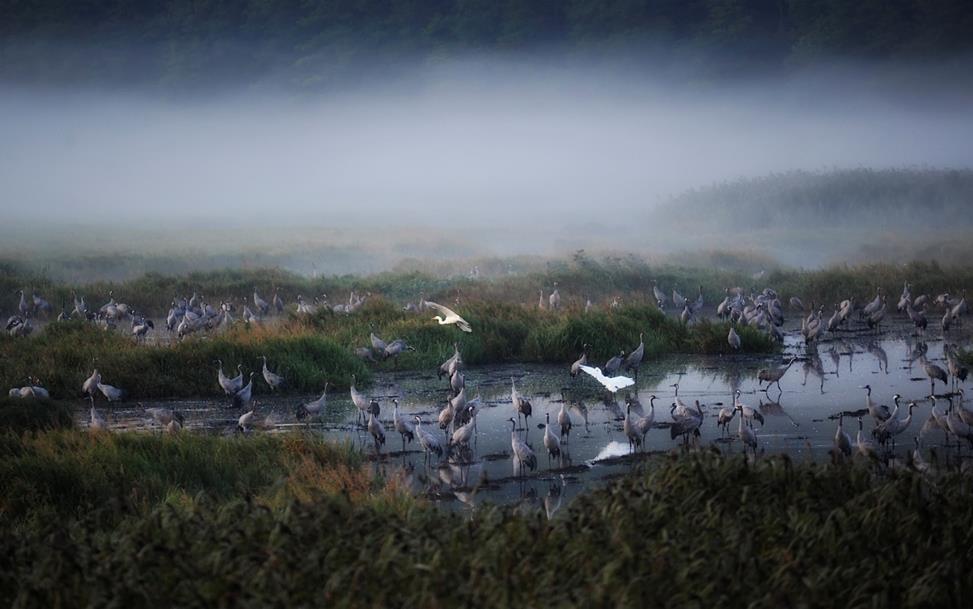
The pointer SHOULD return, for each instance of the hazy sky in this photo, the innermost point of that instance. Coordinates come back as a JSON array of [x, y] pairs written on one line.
[[459, 146]]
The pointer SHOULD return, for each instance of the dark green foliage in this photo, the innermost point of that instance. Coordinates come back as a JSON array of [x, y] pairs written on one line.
[[20, 415], [314, 43], [692, 531]]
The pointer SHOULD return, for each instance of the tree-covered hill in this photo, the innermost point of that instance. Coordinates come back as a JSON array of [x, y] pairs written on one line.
[[890, 199], [192, 41]]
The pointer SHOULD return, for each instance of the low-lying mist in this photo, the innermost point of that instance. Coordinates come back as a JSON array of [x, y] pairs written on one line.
[[484, 157]]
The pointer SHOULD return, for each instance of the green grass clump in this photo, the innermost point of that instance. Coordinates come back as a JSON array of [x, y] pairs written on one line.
[[310, 351], [21, 415], [691, 531], [61, 474], [505, 332], [64, 354]]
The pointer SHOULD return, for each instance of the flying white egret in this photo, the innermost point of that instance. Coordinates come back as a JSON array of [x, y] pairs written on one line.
[[612, 384], [449, 317]]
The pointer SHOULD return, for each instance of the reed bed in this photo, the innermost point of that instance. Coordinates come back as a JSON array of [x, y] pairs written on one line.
[[214, 522], [309, 351]]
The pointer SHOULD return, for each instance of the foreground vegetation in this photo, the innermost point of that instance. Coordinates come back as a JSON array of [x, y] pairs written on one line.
[[210, 521], [310, 351]]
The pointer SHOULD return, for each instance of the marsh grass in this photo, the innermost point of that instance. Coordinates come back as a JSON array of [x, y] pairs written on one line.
[[64, 354], [59, 474], [309, 351], [579, 277], [504, 332], [689, 531], [22, 415]]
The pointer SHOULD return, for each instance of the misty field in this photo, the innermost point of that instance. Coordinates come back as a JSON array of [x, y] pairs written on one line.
[[472, 304]]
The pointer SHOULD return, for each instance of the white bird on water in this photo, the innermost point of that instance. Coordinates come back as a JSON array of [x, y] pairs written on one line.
[[449, 317], [613, 383]]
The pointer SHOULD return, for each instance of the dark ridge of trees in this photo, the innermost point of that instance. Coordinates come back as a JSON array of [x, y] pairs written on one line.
[[879, 199], [312, 42]]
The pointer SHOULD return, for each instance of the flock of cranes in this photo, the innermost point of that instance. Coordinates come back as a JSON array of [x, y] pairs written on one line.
[[456, 420]]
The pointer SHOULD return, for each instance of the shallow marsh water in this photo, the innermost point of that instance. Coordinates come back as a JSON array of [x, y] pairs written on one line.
[[800, 418]]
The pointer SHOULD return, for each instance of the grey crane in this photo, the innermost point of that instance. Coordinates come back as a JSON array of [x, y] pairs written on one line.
[[660, 296], [634, 360], [262, 305], [581, 361], [521, 404], [275, 381], [429, 443], [457, 382], [452, 364], [376, 430], [111, 393], [842, 441], [362, 403], [685, 424], [555, 298], [396, 348], [243, 423], [773, 375], [242, 398], [313, 408], [229, 385], [746, 432], [612, 365], [378, 345], [551, 442], [866, 447], [521, 451], [934, 372], [403, 426], [733, 339], [564, 423]]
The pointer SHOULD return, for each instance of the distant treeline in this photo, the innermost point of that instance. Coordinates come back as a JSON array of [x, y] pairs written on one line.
[[312, 42], [891, 199]]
